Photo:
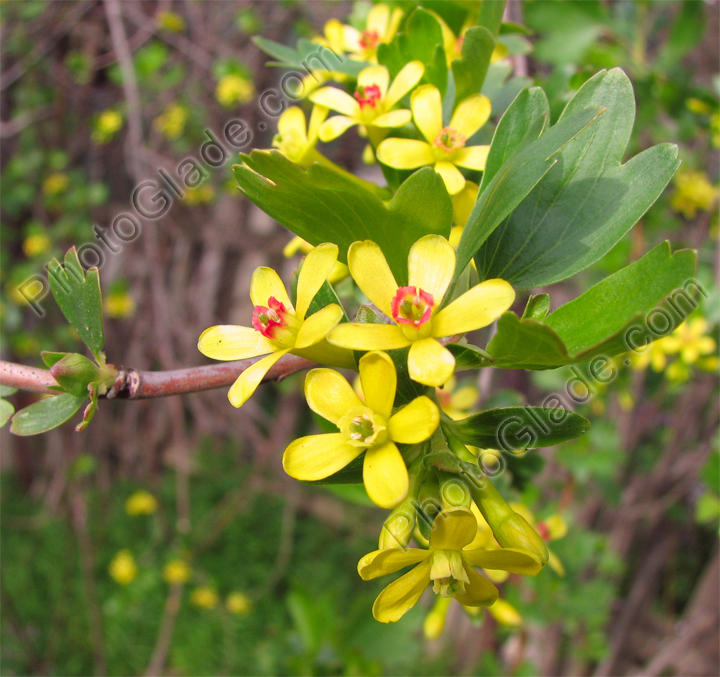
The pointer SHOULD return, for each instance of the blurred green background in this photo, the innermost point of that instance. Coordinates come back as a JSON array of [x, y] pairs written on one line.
[[166, 539]]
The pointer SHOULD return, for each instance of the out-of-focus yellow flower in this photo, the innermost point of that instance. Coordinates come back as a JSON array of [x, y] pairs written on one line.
[[237, 603], [36, 244], [197, 196], [141, 503], [123, 568], [380, 28], [296, 141], [55, 184], [176, 571], [654, 355], [453, 43], [715, 129], [234, 89], [505, 613], [339, 272], [170, 21], [698, 106], [690, 341], [106, 126], [119, 305], [435, 620], [626, 400], [693, 193], [171, 122], [205, 598], [457, 402]]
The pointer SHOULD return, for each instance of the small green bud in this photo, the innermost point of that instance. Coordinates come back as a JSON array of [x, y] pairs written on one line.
[[399, 526], [75, 372]]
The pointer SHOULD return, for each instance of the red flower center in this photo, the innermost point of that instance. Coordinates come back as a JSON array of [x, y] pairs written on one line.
[[412, 305], [368, 95], [268, 320], [449, 139], [543, 531], [369, 39]]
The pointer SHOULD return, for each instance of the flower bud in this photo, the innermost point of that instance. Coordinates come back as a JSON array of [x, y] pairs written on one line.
[[398, 528]]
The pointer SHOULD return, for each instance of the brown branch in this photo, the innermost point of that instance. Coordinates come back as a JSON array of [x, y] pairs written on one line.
[[132, 384]]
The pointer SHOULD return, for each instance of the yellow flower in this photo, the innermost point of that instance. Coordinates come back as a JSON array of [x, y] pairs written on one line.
[[55, 184], [550, 529], [435, 621], [123, 568], [200, 195], [170, 21], [693, 193], [444, 147], [106, 126], [234, 89], [372, 103], [205, 598], [654, 355], [36, 244], [368, 426], [446, 564], [414, 309], [505, 613], [698, 106], [463, 203], [457, 402], [380, 28], [690, 340], [278, 328], [171, 122], [453, 43], [237, 603], [339, 272], [119, 304], [176, 571], [141, 503], [333, 36], [296, 141]]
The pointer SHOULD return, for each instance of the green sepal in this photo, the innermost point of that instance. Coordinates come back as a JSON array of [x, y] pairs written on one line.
[[468, 356], [46, 414], [78, 294], [515, 428], [321, 205]]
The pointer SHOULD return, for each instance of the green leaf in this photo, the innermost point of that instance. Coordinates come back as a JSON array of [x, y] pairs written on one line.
[[325, 296], [514, 428], [640, 303], [50, 358], [686, 34], [321, 205], [45, 415], [515, 179], [468, 356], [491, 13], [74, 372], [6, 411], [469, 71], [6, 391], [537, 307], [309, 57], [587, 202], [80, 300]]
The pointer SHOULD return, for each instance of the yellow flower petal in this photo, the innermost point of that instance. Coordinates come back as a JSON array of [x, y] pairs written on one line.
[[415, 422], [318, 456], [426, 107], [504, 559], [471, 114], [479, 592], [336, 99], [430, 363], [431, 264], [451, 175], [473, 157], [385, 475], [404, 81], [250, 379], [313, 274], [476, 308], [319, 113], [505, 613], [401, 595], [372, 274], [329, 394], [395, 118], [555, 563], [384, 562], [365, 336], [405, 153], [464, 397], [378, 18], [463, 203], [375, 75], [334, 127], [351, 38], [266, 283], [228, 342], [453, 530], [379, 382], [292, 121], [315, 328], [328, 354]]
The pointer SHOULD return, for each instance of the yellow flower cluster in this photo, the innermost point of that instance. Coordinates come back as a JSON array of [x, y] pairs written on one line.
[[106, 126], [234, 89], [55, 184], [119, 305], [171, 122], [170, 21], [177, 572], [141, 503], [123, 568], [693, 192], [36, 244]]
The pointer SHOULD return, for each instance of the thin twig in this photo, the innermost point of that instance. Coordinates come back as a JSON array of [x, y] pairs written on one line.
[[167, 627]]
